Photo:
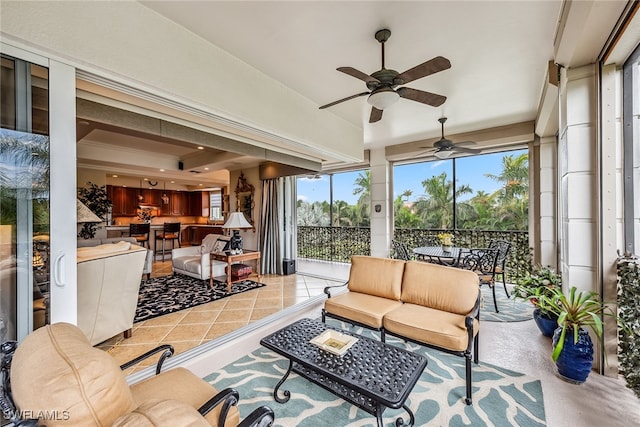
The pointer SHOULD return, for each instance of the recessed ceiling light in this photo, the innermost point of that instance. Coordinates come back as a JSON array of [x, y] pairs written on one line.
[[114, 176], [200, 148], [206, 169], [200, 185], [173, 182], [146, 179], [161, 170], [124, 185]]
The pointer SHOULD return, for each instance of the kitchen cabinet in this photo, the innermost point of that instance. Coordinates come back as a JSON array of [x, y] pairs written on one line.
[[199, 203], [179, 203], [124, 199]]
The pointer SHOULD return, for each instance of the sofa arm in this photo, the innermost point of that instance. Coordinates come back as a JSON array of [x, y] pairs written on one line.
[[327, 290]]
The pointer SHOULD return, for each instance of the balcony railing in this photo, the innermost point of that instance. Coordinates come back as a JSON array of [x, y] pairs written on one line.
[[338, 244]]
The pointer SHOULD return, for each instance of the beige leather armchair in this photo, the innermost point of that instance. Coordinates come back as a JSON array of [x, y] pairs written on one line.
[[108, 287], [57, 374]]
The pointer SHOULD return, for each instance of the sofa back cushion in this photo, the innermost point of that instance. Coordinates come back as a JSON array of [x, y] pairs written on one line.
[[380, 277], [56, 370], [439, 287]]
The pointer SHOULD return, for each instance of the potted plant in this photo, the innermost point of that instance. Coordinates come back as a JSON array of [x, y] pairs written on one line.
[[96, 199], [541, 281], [446, 240], [572, 344]]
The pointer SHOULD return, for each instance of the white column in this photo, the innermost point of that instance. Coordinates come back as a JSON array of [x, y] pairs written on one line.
[[547, 198], [381, 185]]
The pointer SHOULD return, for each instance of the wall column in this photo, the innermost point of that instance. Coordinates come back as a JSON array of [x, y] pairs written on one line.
[[380, 196], [547, 246]]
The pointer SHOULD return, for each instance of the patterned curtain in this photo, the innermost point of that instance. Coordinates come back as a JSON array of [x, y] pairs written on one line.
[[278, 223]]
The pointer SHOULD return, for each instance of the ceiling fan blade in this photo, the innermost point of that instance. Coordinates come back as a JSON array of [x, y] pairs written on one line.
[[344, 99], [464, 143], [459, 149], [376, 115], [358, 74], [428, 98], [432, 66]]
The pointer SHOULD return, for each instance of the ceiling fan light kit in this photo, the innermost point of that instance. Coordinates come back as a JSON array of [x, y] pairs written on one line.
[[383, 98], [382, 83]]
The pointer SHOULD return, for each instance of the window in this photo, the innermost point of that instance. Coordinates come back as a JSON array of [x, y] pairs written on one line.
[[215, 201], [485, 192], [631, 141]]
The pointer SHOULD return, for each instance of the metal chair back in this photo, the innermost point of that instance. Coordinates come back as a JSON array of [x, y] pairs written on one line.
[[401, 250]]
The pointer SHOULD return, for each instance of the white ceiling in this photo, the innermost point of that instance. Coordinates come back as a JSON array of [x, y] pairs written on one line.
[[498, 50]]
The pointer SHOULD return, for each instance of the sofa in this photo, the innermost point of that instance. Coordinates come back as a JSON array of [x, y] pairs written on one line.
[[432, 305], [148, 262], [194, 261], [108, 287]]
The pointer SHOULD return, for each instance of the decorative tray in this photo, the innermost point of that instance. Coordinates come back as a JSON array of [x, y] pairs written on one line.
[[334, 342]]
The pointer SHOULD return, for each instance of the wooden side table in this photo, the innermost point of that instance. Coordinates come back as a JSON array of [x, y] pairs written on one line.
[[247, 255]]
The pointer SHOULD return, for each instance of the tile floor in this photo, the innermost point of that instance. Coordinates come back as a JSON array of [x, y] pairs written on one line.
[[189, 328]]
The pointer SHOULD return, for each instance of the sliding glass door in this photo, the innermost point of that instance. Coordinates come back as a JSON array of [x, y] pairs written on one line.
[[25, 266]]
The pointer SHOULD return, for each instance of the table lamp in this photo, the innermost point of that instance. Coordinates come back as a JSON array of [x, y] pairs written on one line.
[[236, 222]]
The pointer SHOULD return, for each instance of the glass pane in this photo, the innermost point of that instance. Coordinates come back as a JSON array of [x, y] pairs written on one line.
[[492, 191], [24, 199], [423, 195], [313, 200], [352, 199]]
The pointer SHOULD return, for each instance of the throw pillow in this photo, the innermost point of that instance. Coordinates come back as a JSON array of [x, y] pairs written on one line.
[[220, 245]]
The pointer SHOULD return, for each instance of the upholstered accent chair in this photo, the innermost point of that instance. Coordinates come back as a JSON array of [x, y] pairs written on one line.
[[194, 261], [55, 371]]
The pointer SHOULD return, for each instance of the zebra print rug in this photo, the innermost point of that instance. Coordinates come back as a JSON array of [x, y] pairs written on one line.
[[163, 295]]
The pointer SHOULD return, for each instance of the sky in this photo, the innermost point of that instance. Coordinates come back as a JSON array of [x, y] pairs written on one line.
[[469, 170]]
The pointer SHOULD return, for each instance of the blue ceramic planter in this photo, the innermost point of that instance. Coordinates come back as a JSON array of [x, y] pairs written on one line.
[[546, 323], [576, 359]]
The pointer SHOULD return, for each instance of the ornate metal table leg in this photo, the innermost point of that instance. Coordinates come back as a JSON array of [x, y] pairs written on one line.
[[287, 394], [400, 421]]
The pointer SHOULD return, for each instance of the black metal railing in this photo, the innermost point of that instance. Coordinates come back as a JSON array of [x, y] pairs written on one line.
[[338, 244]]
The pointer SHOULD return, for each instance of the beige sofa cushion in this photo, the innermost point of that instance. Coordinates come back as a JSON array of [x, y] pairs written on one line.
[[160, 413], [73, 378], [381, 277], [179, 383], [439, 287], [362, 308], [427, 325]]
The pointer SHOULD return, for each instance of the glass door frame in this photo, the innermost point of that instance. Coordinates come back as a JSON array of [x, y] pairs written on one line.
[[63, 226]]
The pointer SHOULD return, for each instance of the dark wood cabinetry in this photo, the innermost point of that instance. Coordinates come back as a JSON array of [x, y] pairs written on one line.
[[180, 203], [124, 199]]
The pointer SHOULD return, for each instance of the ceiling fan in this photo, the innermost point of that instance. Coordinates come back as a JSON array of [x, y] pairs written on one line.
[[445, 148], [382, 83]]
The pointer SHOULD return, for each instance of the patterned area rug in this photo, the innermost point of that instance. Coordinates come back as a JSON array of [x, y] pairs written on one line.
[[511, 310], [500, 397], [163, 295]]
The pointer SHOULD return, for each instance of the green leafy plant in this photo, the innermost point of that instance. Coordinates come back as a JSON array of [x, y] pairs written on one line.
[[628, 269], [95, 198], [576, 310], [540, 282]]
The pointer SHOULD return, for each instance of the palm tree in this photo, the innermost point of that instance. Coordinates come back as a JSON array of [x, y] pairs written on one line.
[[362, 186], [514, 176], [403, 216], [435, 208], [342, 214]]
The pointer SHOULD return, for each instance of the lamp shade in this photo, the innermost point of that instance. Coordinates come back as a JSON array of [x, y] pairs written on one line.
[[236, 221], [383, 98], [85, 214]]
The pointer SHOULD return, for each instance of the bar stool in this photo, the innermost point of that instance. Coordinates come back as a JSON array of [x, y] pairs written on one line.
[[170, 231], [140, 232]]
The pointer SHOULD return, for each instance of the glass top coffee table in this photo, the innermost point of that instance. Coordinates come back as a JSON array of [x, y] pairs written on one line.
[[370, 374]]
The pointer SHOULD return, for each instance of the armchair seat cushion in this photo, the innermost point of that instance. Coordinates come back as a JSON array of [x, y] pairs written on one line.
[[436, 327], [362, 308], [191, 264], [157, 413], [182, 384]]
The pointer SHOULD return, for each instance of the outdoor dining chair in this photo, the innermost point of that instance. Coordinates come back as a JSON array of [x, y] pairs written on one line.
[[503, 248], [482, 261], [401, 250]]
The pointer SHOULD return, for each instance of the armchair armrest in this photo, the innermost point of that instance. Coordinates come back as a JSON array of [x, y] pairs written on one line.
[[166, 349], [327, 290], [260, 417]]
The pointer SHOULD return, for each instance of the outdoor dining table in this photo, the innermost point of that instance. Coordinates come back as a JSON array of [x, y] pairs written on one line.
[[437, 255]]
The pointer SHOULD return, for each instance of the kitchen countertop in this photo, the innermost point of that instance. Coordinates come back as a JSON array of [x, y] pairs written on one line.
[[126, 227]]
